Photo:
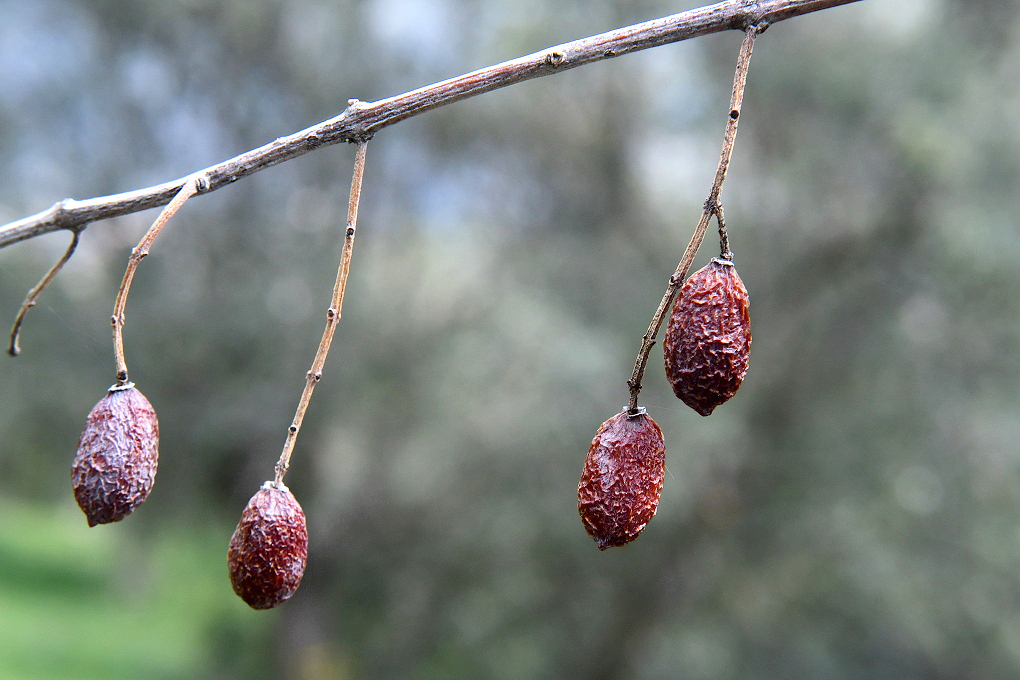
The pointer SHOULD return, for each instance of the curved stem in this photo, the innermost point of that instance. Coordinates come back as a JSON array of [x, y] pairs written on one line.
[[332, 315], [190, 188], [712, 207], [33, 295]]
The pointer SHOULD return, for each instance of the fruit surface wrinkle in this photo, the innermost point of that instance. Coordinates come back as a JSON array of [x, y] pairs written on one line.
[[708, 337], [118, 452], [269, 549], [622, 479]]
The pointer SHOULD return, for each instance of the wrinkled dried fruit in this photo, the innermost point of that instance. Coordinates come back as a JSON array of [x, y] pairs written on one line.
[[708, 337], [269, 548], [622, 479], [115, 465]]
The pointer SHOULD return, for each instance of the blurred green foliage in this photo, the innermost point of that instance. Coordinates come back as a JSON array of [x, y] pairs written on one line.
[[851, 513], [113, 605]]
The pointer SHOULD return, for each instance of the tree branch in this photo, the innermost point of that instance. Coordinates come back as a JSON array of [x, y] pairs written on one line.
[[360, 120]]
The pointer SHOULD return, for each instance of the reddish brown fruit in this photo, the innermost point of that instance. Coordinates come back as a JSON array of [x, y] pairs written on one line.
[[622, 479], [708, 337], [269, 548], [115, 465]]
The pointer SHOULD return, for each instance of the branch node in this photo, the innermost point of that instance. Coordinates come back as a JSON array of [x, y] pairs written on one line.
[[753, 18], [554, 59], [62, 214], [712, 204]]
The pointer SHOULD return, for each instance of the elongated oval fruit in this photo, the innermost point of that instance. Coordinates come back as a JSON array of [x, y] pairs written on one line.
[[115, 465], [622, 479], [269, 548], [708, 337]]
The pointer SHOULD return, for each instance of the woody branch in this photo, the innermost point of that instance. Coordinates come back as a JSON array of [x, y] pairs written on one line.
[[361, 120]]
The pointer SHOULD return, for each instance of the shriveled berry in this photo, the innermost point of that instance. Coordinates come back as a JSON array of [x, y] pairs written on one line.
[[708, 337], [115, 465], [269, 548], [622, 479]]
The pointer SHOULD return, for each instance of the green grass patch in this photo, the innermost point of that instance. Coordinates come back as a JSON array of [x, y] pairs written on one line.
[[107, 604]]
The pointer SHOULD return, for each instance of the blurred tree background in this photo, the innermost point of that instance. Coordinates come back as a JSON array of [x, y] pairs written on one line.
[[851, 513]]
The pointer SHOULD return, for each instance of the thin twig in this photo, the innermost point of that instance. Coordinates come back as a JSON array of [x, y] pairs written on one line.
[[361, 120], [724, 238], [712, 207], [190, 188], [33, 295], [332, 315]]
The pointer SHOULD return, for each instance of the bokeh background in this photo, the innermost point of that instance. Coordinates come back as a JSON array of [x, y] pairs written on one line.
[[851, 513]]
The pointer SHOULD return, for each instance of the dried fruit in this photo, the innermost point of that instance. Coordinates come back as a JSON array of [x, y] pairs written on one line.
[[622, 479], [708, 337], [115, 465], [269, 548]]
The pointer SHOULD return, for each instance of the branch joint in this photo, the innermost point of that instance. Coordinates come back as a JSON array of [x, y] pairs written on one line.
[[752, 18], [555, 59]]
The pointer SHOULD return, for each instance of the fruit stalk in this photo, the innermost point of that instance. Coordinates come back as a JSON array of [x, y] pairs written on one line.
[[712, 208], [194, 184], [33, 295], [332, 315]]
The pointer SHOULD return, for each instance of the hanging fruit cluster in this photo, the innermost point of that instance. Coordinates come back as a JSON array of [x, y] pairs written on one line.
[[706, 348], [115, 466], [705, 351]]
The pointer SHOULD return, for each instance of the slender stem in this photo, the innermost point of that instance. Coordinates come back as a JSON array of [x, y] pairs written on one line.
[[332, 315], [363, 119], [33, 295], [724, 238], [190, 188], [712, 207]]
